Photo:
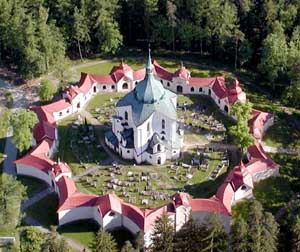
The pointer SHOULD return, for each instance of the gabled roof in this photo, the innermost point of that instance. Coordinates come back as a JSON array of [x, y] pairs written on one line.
[[183, 73], [120, 71], [201, 82], [212, 204], [60, 167], [219, 87], [162, 72], [257, 122], [109, 202], [235, 93], [39, 161], [70, 197], [44, 129]]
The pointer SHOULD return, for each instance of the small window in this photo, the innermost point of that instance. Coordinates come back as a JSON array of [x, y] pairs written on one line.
[[68, 111], [128, 151], [112, 214], [244, 187], [200, 90], [168, 84], [192, 89], [162, 138], [158, 147], [163, 124], [161, 81], [60, 113], [219, 101], [113, 87], [163, 132], [209, 92], [104, 87], [126, 115], [148, 127]]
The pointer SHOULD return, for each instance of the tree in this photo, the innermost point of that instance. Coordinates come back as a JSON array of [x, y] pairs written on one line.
[[270, 233], [127, 247], [104, 242], [239, 236], [215, 238], [5, 115], [81, 29], [150, 11], [240, 131], [12, 192], [139, 241], [23, 121], [47, 90], [54, 244], [296, 235], [31, 240], [107, 29], [274, 55], [189, 237], [171, 11], [163, 235]]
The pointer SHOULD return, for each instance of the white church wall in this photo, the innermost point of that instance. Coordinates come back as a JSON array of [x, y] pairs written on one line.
[[112, 220], [31, 171], [243, 192], [75, 214]]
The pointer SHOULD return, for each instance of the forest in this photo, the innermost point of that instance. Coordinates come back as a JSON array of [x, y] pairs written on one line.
[[258, 35]]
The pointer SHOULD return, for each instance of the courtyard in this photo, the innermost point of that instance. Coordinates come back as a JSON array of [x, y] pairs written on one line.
[[202, 162]]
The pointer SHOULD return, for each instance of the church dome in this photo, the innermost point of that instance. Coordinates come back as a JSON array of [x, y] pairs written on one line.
[[149, 90]]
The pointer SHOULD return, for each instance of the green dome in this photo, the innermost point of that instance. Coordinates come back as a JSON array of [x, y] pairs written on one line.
[[149, 90]]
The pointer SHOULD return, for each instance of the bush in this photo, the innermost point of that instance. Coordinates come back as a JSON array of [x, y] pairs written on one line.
[[47, 90]]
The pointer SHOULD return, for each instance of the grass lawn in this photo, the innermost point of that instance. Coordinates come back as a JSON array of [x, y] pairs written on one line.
[[82, 232], [44, 211], [284, 133], [33, 185], [138, 63]]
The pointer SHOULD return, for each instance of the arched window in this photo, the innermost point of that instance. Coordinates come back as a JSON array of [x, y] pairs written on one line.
[[125, 86], [95, 89], [168, 84], [209, 92], [226, 108], [200, 89], [158, 147], [192, 89], [60, 113], [162, 138], [163, 124], [113, 87], [159, 160], [104, 87], [126, 115], [179, 89]]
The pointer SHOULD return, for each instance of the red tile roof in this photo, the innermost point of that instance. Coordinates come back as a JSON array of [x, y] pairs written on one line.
[[183, 73], [59, 168], [219, 87], [257, 122], [44, 129], [235, 93], [225, 194], [109, 202], [212, 204], [201, 82], [70, 197], [39, 161], [162, 72]]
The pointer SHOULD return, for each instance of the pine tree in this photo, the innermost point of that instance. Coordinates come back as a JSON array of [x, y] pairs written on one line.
[[239, 236], [255, 229], [127, 247], [189, 237], [296, 235], [104, 242], [163, 235], [139, 241], [215, 238], [270, 233]]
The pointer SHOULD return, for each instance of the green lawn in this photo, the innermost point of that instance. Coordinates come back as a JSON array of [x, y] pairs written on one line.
[[284, 133], [138, 63], [44, 211], [82, 232], [33, 185]]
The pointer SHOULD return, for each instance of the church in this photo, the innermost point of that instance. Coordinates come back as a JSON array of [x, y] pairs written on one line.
[[145, 127]]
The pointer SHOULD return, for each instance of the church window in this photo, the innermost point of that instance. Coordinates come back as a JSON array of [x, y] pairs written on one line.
[[168, 84], [60, 113], [243, 187], [209, 92], [126, 115], [113, 87], [128, 151], [192, 89], [161, 81], [162, 138], [200, 89], [158, 147], [104, 87], [163, 124]]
